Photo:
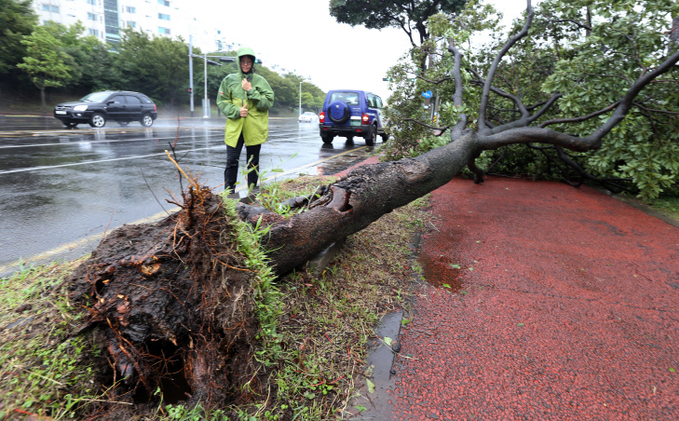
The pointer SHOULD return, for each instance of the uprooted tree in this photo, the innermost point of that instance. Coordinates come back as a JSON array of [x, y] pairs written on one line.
[[184, 300]]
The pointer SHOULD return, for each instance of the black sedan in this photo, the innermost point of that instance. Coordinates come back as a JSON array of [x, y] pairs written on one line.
[[99, 107]]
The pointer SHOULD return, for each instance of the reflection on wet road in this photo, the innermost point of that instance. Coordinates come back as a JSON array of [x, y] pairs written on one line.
[[61, 189]]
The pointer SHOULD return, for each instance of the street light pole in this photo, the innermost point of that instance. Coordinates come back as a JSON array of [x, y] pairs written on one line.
[[206, 105], [191, 71]]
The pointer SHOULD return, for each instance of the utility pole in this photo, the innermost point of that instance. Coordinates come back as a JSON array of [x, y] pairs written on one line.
[[191, 71], [206, 104]]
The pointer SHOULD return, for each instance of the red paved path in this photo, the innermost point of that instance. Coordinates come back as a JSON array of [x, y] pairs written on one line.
[[565, 307]]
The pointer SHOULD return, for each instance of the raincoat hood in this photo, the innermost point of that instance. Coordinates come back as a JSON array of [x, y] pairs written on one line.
[[246, 51]]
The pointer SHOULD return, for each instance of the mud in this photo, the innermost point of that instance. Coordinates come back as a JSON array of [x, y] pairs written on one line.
[[172, 305]]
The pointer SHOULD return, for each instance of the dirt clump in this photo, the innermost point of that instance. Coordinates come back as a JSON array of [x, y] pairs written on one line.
[[173, 303]]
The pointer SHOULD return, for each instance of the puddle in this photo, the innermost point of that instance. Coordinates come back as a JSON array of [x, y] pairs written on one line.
[[374, 402], [442, 272]]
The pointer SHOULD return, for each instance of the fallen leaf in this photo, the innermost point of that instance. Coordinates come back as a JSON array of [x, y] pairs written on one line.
[[371, 386]]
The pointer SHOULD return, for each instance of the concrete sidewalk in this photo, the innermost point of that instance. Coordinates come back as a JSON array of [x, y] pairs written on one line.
[[543, 302]]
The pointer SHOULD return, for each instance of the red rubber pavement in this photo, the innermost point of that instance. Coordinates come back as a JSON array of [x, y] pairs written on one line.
[[543, 302]]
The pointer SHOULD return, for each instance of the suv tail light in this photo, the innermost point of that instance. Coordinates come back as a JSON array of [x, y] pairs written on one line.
[[321, 117], [365, 118], [155, 107]]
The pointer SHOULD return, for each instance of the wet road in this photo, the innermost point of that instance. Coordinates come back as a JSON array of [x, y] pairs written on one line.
[[60, 190]]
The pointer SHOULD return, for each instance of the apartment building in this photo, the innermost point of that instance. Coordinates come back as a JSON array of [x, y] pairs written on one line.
[[106, 18]]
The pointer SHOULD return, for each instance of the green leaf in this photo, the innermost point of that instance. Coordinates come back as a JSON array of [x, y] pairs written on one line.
[[371, 386]]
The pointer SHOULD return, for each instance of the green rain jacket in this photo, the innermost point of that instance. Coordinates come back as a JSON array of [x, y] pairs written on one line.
[[232, 96]]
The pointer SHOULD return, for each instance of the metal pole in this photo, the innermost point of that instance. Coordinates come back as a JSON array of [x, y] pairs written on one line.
[[191, 70], [205, 106]]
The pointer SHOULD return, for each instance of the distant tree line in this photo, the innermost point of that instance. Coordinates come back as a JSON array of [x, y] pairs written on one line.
[[39, 59]]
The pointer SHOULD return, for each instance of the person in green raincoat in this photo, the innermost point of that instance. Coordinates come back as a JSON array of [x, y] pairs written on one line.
[[244, 98]]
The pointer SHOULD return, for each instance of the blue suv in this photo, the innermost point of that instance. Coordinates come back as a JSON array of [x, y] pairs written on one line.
[[350, 113]]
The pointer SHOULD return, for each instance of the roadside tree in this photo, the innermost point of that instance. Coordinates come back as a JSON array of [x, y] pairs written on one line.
[[45, 61], [410, 16], [17, 20], [154, 65]]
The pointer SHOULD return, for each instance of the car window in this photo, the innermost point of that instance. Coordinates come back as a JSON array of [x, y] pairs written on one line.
[[96, 97], [132, 100], [118, 99], [371, 100], [378, 102], [146, 99]]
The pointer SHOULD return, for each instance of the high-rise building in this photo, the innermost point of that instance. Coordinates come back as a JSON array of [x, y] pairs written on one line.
[[106, 18]]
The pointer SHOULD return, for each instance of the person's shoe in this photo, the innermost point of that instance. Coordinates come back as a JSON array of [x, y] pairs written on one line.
[[249, 199]]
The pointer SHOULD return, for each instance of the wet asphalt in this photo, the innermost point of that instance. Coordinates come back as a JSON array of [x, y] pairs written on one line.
[[61, 189]]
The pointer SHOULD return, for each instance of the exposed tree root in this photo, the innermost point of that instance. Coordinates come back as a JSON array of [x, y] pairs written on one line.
[[174, 301]]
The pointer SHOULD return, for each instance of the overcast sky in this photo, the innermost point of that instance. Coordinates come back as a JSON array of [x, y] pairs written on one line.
[[301, 36]]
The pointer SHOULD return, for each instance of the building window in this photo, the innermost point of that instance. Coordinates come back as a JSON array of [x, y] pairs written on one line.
[[130, 9], [131, 24], [163, 16], [92, 2], [165, 31], [50, 8], [91, 16], [94, 32], [164, 2]]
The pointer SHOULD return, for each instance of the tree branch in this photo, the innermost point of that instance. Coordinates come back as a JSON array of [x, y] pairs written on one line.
[[462, 119], [627, 100], [483, 129], [579, 119]]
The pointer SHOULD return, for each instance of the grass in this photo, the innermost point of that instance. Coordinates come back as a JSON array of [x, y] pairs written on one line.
[[667, 205], [313, 336], [318, 345], [43, 371]]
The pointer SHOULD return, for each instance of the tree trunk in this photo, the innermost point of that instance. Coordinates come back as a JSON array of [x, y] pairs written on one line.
[[353, 203], [42, 99]]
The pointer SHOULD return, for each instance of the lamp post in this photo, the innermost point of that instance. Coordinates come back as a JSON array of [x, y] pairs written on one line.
[[300, 99], [300, 95]]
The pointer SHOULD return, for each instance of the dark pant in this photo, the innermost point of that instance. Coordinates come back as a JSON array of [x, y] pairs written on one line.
[[232, 157]]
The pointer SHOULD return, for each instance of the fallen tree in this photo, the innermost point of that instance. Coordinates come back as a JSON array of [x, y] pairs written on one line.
[[184, 300], [350, 205]]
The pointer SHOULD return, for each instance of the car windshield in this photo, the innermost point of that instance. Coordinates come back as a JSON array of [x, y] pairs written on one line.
[[96, 97], [310, 114]]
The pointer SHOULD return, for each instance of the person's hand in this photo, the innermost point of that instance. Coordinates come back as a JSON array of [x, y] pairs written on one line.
[[243, 111], [246, 85]]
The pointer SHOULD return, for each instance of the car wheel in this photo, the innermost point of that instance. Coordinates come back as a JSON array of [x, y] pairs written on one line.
[[339, 112], [123, 123], [385, 137], [146, 120], [98, 120], [71, 125], [327, 139], [372, 136]]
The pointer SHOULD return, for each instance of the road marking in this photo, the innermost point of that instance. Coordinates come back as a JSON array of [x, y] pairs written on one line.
[[97, 237]]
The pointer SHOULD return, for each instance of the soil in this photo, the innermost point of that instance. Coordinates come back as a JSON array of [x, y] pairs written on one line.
[[172, 304]]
